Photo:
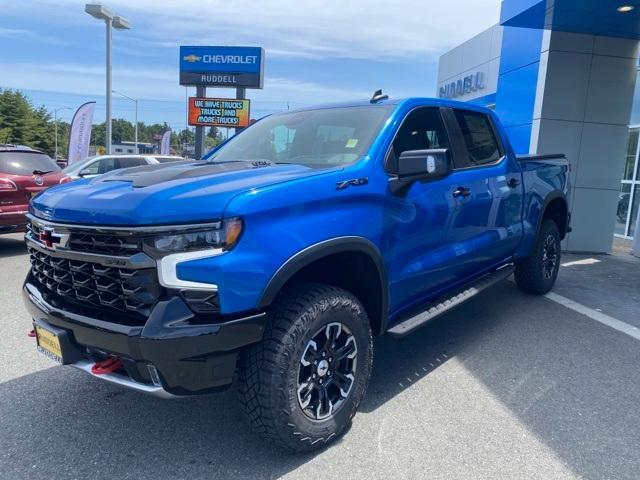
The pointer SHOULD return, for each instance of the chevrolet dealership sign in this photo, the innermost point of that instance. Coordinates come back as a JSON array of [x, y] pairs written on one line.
[[222, 66], [462, 86]]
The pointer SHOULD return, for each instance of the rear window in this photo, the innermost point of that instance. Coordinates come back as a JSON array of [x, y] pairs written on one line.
[[482, 145], [26, 163]]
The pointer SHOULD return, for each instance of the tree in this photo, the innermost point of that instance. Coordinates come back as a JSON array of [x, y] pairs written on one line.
[[15, 114]]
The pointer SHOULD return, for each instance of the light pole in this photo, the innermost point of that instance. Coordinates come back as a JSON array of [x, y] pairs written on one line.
[[136, 124], [55, 129], [100, 12]]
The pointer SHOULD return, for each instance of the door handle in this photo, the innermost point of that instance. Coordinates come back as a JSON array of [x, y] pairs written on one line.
[[463, 192], [513, 182]]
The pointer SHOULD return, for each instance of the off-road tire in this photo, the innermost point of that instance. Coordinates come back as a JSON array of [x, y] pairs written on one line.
[[531, 273], [268, 372]]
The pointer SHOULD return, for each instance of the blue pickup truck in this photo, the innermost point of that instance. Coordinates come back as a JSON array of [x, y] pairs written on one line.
[[277, 259]]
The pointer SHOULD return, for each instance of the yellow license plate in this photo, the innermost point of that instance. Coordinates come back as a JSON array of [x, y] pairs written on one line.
[[49, 344]]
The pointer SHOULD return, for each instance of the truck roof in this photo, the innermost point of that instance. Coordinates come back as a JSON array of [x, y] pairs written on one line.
[[396, 101]]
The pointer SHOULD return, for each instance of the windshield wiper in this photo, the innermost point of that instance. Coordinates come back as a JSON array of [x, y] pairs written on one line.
[[41, 172]]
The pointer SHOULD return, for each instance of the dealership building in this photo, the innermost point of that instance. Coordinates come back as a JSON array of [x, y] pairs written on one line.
[[561, 75]]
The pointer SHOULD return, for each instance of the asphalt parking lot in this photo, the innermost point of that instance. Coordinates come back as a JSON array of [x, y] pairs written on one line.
[[507, 386]]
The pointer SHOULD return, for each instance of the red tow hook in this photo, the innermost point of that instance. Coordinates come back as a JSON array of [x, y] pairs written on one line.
[[108, 365], [32, 333]]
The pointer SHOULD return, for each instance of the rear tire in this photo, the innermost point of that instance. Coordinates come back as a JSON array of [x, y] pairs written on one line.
[[301, 386], [538, 273]]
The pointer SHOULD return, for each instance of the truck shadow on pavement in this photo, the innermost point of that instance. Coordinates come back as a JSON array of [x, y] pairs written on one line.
[[12, 245], [538, 360]]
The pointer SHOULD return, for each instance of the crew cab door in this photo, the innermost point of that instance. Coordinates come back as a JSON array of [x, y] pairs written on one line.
[[431, 226], [492, 176]]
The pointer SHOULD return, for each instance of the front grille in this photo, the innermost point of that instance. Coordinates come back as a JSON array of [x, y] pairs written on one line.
[[133, 291], [104, 244], [96, 242]]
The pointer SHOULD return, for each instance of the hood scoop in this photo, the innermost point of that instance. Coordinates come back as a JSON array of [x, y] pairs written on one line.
[[148, 175]]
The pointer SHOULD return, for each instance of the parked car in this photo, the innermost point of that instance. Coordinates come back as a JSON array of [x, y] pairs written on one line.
[[94, 166], [279, 257], [24, 172]]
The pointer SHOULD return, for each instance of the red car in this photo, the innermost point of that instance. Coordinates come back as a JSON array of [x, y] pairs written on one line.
[[24, 172]]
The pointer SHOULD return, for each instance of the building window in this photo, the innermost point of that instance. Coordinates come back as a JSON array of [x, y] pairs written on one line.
[[629, 198]]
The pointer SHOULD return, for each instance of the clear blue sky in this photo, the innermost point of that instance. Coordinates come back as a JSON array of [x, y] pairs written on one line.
[[315, 51]]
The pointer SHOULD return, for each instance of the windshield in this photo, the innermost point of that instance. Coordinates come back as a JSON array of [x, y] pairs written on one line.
[[315, 138], [76, 167], [26, 163]]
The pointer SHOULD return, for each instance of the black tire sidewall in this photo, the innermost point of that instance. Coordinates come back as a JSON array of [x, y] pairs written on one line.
[[548, 228], [328, 309]]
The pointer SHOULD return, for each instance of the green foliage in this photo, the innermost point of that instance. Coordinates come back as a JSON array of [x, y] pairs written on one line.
[[22, 123], [18, 119]]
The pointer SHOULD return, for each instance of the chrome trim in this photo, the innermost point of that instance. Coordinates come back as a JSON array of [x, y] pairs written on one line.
[[20, 212], [137, 261], [126, 229], [123, 381], [167, 269]]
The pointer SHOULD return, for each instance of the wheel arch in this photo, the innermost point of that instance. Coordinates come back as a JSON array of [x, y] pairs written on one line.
[[346, 262], [556, 208]]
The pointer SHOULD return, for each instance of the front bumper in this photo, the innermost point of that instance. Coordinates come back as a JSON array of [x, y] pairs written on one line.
[[165, 357]]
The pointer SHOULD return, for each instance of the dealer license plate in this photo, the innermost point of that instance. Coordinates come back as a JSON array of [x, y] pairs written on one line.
[[48, 344]]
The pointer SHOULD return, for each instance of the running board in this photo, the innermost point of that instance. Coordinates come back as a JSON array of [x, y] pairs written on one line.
[[431, 310]]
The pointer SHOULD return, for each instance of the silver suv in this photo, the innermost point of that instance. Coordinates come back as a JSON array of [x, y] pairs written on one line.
[[94, 166]]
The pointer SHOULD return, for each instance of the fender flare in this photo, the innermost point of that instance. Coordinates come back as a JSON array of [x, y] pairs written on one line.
[[324, 249], [556, 194]]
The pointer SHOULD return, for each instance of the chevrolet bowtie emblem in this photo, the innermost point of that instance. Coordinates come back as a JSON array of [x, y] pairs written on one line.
[[191, 58]]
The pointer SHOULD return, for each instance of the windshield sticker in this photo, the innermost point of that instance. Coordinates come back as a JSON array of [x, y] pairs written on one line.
[[351, 143]]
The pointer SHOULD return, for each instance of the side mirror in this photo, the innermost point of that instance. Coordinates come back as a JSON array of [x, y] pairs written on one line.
[[85, 172], [420, 165]]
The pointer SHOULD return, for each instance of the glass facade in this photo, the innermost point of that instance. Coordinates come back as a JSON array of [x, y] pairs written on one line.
[[627, 211]]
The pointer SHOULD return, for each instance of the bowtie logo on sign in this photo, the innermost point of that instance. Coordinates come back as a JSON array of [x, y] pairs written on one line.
[[240, 67]]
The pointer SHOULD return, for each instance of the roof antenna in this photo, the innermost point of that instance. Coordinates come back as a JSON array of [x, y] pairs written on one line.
[[378, 97]]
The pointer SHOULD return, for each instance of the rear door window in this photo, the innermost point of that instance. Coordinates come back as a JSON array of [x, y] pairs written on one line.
[[126, 162], [26, 163], [479, 136]]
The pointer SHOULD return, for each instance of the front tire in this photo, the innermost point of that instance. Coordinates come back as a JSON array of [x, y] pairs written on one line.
[[301, 386], [537, 274]]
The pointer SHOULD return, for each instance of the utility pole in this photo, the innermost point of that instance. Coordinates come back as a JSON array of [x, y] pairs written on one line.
[[100, 12], [135, 101]]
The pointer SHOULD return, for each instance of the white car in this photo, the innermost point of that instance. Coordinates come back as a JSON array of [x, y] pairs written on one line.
[[94, 166]]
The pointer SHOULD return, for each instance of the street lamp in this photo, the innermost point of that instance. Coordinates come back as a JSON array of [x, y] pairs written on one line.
[[55, 128], [100, 12], [136, 124]]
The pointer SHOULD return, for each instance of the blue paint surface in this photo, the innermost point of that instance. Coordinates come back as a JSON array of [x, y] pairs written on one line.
[[429, 240], [593, 17]]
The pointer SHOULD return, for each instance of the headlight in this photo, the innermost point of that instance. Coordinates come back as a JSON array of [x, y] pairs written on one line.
[[224, 238]]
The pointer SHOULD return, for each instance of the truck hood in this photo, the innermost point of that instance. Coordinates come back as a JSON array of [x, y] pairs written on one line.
[[170, 193]]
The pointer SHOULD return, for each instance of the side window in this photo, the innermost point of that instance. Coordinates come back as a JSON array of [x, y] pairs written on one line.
[[92, 168], [421, 130], [106, 165], [127, 162], [479, 137]]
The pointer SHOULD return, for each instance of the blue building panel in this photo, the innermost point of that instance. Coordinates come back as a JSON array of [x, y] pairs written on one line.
[[593, 17], [517, 83]]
